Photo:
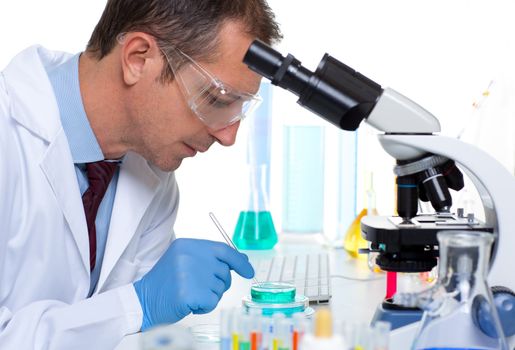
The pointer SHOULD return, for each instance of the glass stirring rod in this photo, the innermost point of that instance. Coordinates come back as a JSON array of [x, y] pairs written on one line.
[[226, 237]]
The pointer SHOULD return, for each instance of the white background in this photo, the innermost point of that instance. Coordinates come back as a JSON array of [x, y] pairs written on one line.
[[441, 53]]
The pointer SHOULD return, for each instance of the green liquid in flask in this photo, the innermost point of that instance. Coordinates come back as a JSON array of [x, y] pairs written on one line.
[[255, 231], [274, 293]]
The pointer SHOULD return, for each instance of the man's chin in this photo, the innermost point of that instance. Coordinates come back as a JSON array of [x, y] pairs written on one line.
[[170, 165]]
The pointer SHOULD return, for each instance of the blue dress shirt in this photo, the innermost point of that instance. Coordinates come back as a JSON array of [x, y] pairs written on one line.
[[84, 148]]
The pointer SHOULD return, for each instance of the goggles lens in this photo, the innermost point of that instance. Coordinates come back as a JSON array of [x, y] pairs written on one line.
[[217, 104]]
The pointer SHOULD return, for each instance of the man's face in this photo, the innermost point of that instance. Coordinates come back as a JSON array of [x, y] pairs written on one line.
[[167, 129]]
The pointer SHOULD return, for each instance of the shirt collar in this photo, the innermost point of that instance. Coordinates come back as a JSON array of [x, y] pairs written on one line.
[[83, 143]]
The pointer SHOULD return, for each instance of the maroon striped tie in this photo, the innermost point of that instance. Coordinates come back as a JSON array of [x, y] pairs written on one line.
[[99, 176]]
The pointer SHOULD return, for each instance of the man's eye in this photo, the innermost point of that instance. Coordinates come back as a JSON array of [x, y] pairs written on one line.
[[216, 101], [219, 103]]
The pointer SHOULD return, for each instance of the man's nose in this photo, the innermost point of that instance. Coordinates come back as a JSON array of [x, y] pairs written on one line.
[[227, 135]]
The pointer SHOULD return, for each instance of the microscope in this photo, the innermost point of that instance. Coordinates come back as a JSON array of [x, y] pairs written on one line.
[[427, 166]]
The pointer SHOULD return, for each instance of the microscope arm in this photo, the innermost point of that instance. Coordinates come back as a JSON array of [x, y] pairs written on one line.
[[494, 183], [496, 188]]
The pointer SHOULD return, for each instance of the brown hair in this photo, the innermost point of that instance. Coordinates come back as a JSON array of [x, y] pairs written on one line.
[[192, 26]]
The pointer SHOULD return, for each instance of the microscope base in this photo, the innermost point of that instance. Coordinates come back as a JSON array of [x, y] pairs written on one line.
[[396, 316], [402, 338]]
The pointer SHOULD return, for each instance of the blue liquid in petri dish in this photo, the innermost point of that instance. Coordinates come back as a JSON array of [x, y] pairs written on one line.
[[273, 293]]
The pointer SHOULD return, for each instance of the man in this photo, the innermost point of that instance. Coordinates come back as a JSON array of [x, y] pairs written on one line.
[[88, 147]]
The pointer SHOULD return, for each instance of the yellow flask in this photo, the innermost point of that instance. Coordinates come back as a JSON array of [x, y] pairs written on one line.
[[353, 240]]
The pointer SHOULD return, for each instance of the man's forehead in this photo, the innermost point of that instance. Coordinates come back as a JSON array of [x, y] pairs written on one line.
[[233, 43], [251, 86], [235, 73]]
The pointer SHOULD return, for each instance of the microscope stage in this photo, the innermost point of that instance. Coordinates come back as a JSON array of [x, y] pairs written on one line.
[[421, 231]]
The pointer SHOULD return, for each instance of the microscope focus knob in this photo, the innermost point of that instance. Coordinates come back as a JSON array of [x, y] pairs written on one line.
[[504, 301]]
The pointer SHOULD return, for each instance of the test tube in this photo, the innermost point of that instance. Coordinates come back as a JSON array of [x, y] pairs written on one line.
[[255, 329], [244, 332], [339, 329], [381, 336], [285, 334], [350, 334], [225, 329], [267, 330], [254, 340], [276, 340], [300, 325], [364, 334], [235, 330]]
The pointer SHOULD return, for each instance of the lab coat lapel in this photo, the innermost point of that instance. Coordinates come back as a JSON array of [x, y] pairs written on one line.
[[59, 170], [137, 186], [26, 76]]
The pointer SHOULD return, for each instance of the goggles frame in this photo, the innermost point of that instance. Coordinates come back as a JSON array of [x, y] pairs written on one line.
[[217, 104]]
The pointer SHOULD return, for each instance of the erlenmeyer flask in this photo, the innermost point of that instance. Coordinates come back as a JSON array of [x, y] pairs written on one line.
[[255, 228], [452, 308], [353, 240]]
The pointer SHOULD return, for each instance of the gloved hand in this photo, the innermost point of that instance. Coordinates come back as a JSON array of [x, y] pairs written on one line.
[[190, 277]]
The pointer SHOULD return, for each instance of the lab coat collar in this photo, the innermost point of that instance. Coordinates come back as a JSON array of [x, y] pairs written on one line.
[[26, 77]]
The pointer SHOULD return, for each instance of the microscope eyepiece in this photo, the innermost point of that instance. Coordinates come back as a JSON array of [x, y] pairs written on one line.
[[286, 72], [334, 91]]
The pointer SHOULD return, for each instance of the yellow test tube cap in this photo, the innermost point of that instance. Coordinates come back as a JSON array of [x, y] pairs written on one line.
[[323, 323]]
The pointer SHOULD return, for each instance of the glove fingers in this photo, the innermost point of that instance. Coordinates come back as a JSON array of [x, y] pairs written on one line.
[[236, 261], [217, 287], [224, 274], [181, 311], [209, 302]]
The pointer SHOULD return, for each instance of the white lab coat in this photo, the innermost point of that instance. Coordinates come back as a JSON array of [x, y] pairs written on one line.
[[44, 248]]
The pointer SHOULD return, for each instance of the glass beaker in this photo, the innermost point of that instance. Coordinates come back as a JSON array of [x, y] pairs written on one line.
[[255, 228], [347, 181], [452, 306], [303, 179]]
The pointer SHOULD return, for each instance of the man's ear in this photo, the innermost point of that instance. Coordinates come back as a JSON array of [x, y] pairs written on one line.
[[139, 52]]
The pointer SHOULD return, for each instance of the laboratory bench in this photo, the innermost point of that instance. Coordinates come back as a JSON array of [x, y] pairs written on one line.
[[356, 292]]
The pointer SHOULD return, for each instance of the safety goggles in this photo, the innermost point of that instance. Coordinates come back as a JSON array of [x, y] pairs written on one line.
[[215, 103]]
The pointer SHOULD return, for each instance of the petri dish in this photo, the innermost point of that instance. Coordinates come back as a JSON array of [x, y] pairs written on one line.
[[172, 337], [206, 333], [273, 292], [299, 304]]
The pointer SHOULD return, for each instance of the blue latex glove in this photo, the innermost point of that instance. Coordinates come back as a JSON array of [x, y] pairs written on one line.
[[190, 277]]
